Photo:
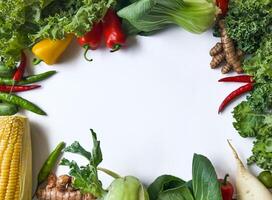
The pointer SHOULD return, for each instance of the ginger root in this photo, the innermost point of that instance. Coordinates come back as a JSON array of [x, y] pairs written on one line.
[[225, 53], [60, 189]]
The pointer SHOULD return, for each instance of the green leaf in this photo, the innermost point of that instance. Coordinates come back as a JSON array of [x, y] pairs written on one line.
[[85, 178], [248, 21], [76, 148], [205, 183], [97, 154], [149, 16], [163, 183], [180, 193]]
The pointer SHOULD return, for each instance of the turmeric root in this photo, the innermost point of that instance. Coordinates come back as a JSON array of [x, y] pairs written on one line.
[[226, 68], [60, 189], [218, 48], [225, 51], [229, 49], [217, 59], [54, 194]]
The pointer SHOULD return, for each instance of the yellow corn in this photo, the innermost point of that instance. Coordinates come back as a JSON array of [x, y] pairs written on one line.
[[15, 158]]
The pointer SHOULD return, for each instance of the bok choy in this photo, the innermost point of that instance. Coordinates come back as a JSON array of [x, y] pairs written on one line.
[[148, 16]]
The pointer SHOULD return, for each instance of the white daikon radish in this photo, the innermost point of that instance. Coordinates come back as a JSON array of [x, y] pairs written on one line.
[[248, 186]]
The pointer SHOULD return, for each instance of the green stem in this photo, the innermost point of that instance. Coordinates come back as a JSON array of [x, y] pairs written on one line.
[[116, 48], [36, 61], [109, 172], [86, 47]]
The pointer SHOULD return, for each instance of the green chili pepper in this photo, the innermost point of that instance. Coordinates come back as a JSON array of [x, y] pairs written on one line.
[[50, 163], [6, 72], [21, 102], [8, 109], [28, 79]]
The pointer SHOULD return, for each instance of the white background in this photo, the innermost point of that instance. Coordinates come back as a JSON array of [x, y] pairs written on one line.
[[153, 105]]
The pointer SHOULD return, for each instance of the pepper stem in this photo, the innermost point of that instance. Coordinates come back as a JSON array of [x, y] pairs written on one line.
[[87, 48], [109, 172], [116, 47], [225, 181], [36, 61]]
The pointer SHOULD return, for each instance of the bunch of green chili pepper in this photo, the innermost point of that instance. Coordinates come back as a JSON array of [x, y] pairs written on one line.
[[12, 80]]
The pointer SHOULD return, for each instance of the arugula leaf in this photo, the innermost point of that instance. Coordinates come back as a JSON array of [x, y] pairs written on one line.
[[85, 178], [205, 183], [162, 184]]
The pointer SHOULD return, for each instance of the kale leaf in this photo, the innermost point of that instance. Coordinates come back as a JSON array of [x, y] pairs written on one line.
[[253, 117], [262, 152], [248, 21]]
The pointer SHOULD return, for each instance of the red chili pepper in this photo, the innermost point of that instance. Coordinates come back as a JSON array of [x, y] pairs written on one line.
[[238, 79], [17, 88], [112, 31], [236, 93], [21, 68], [223, 5], [227, 189], [92, 39]]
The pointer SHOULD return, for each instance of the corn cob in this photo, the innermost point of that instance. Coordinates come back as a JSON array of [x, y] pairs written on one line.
[[15, 158]]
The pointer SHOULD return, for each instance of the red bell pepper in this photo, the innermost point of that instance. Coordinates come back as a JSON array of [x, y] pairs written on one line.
[[227, 189], [112, 31], [92, 39]]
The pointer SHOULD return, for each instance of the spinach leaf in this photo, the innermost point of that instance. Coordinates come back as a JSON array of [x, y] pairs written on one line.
[[205, 183], [162, 184]]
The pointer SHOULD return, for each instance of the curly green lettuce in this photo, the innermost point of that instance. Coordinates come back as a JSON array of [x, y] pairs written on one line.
[[24, 22], [61, 17], [253, 117], [248, 21], [259, 64], [262, 152], [18, 19]]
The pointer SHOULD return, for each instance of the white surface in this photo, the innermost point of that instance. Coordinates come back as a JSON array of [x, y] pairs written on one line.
[[153, 106]]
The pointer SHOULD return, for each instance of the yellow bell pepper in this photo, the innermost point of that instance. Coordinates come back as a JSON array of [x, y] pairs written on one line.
[[49, 50]]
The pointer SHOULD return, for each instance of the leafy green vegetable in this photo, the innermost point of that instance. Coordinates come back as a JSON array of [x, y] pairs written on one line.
[[149, 16], [85, 178], [248, 21], [180, 193], [24, 22], [205, 183], [162, 184], [69, 16], [262, 152], [253, 117], [18, 19], [259, 65]]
